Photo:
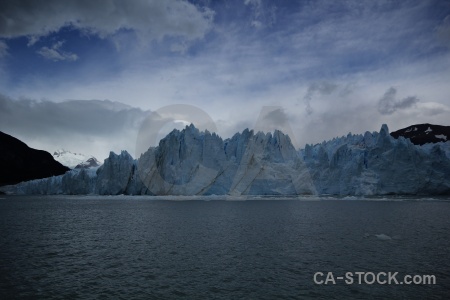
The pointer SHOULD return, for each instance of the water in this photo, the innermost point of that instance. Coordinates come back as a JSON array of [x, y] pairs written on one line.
[[136, 248]]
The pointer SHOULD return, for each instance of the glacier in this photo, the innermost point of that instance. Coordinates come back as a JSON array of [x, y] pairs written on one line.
[[190, 162], [378, 164]]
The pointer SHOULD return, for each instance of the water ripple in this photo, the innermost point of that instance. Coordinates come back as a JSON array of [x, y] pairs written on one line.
[[64, 247]]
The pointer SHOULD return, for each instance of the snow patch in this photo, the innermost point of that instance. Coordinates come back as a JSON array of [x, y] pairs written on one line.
[[71, 160], [441, 136]]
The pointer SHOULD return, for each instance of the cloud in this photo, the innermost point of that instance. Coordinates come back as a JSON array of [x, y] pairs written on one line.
[[256, 6], [262, 13], [151, 19], [231, 74], [322, 88], [433, 109], [387, 105], [344, 37], [273, 118], [56, 54], [91, 126], [253, 2], [443, 31], [32, 40], [3, 49]]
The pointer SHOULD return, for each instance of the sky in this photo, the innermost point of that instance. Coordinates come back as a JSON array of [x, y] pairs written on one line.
[[86, 75]]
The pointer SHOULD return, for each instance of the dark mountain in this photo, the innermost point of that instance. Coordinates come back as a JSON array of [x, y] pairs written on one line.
[[18, 162], [424, 133]]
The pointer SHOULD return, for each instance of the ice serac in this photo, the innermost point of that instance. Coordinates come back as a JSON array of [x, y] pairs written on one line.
[[378, 164], [190, 162], [115, 175], [267, 164], [185, 163]]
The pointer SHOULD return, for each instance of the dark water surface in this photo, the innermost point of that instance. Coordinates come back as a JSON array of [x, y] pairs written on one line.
[[110, 247]]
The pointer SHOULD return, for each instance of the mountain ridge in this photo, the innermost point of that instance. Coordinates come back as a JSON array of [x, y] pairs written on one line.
[[18, 162], [421, 134], [75, 160]]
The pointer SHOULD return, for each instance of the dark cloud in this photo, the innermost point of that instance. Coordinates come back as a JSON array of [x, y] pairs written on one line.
[[406, 102], [387, 105], [273, 118], [321, 88], [152, 19], [387, 102], [86, 117], [75, 121]]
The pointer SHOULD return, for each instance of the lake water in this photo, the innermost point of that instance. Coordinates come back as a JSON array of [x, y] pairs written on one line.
[[138, 248]]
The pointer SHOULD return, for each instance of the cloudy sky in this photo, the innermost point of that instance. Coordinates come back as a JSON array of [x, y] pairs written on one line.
[[83, 74]]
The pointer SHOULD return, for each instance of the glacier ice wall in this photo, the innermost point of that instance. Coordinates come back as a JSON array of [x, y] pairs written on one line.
[[190, 162], [377, 164]]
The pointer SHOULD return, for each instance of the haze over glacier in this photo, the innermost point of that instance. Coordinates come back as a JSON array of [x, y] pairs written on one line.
[[192, 162]]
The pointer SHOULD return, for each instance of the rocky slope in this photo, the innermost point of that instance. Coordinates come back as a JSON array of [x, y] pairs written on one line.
[[18, 162], [421, 134]]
